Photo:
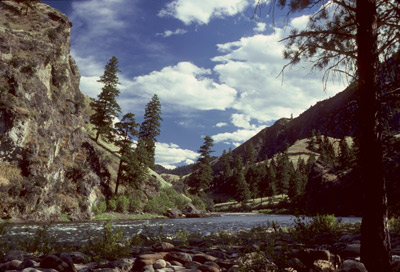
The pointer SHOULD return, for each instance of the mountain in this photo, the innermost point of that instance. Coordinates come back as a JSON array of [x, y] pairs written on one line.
[[334, 117]]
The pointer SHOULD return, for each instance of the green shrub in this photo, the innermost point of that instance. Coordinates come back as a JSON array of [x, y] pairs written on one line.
[[100, 208], [112, 205], [167, 199], [122, 204], [135, 204], [110, 245], [198, 202], [40, 243], [308, 230]]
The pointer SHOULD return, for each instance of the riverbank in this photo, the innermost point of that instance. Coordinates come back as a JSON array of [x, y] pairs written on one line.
[[323, 244]]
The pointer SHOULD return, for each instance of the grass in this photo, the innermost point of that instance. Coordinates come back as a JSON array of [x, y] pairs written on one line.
[[121, 216]]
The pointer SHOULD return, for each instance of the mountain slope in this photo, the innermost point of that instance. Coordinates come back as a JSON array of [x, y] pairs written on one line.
[[49, 165]]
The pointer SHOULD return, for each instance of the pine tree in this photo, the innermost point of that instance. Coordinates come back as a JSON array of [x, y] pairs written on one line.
[[345, 158], [124, 132], [311, 141], [242, 193], [202, 176], [149, 130], [356, 35], [105, 106]]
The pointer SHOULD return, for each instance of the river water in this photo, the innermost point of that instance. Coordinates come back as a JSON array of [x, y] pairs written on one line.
[[78, 232]]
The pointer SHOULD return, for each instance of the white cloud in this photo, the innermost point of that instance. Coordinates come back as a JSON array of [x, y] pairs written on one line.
[[185, 86], [169, 154], [236, 137], [241, 121], [300, 22], [260, 27], [168, 33], [221, 124], [202, 11], [252, 65]]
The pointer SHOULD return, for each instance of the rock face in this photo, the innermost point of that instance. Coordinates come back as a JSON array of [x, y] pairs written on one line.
[[48, 166]]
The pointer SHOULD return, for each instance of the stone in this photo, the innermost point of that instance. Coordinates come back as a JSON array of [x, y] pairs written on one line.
[[178, 256], [201, 258], [351, 250], [54, 262], [323, 266], [210, 267], [192, 264], [163, 247], [191, 211], [30, 269], [352, 266], [167, 269], [308, 256], [160, 264], [27, 264], [297, 264], [174, 213], [121, 266], [10, 265], [68, 260], [147, 268], [78, 257], [147, 259]]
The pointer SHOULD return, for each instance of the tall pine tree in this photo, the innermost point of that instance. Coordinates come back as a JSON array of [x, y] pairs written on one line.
[[124, 133], [105, 106], [149, 130], [202, 176]]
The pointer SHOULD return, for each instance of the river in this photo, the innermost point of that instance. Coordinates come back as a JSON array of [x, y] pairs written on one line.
[[78, 232]]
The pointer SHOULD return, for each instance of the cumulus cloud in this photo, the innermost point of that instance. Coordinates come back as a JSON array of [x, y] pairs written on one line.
[[221, 124], [186, 86], [260, 27], [170, 154], [237, 137], [168, 33], [202, 11], [252, 66]]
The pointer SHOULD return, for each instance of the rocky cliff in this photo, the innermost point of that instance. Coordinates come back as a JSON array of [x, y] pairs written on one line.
[[48, 165]]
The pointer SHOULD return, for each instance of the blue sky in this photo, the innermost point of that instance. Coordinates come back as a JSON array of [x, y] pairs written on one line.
[[213, 66]]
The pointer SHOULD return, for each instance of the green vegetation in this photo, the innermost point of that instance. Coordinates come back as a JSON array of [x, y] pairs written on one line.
[[149, 130], [167, 199], [105, 106], [201, 177]]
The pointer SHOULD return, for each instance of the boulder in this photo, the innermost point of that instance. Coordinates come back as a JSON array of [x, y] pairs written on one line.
[[159, 264], [10, 265], [163, 247], [323, 266], [352, 266], [174, 213], [54, 262], [27, 264], [191, 211], [178, 256]]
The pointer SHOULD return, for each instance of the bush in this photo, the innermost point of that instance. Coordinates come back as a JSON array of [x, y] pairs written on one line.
[[167, 199], [135, 204], [100, 208], [110, 245], [198, 202], [122, 204], [309, 230], [112, 205]]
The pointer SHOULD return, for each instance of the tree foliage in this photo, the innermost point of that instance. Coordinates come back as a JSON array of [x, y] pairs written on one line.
[[105, 106], [352, 37], [149, 130], [129, 170], [202, 175]]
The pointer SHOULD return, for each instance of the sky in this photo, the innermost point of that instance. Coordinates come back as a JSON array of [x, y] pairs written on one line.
[[214, 66]]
